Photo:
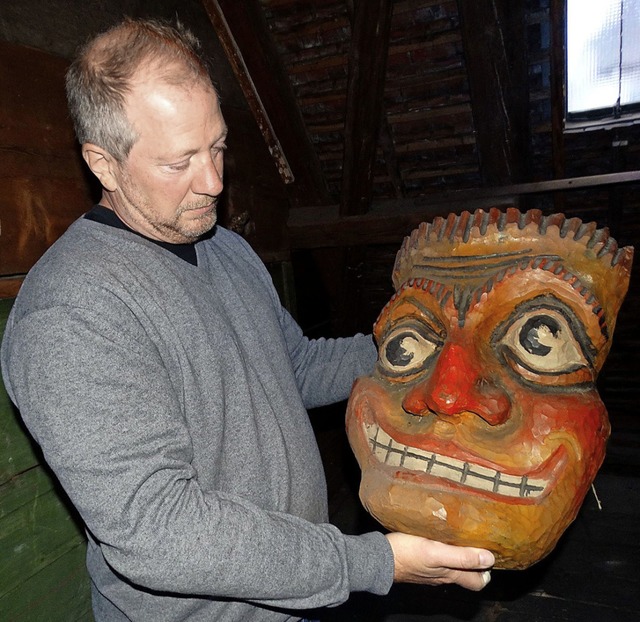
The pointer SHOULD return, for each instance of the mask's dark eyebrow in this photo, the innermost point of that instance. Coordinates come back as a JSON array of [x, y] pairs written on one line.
[[438, 327], [469, 280], [477, 266]]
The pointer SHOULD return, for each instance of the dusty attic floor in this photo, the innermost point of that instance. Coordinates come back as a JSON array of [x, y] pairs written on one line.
[[593, 575]]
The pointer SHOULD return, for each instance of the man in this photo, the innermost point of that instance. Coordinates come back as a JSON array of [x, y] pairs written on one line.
[[151, 359]]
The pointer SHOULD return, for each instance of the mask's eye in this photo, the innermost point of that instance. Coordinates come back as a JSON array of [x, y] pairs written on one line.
[[405, 350], [541, 342]]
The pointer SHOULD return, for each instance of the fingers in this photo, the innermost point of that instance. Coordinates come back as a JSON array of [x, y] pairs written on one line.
[[472, 580], [419, 560], [460, 557]]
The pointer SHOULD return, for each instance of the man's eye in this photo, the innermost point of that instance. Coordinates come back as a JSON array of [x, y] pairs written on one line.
[[179, 166], [543, 342], [406, 350]]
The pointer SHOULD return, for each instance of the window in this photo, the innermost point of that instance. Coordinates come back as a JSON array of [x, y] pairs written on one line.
[[603, 63]]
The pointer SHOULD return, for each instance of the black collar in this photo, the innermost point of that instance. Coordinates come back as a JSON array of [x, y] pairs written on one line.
[[105, 216]]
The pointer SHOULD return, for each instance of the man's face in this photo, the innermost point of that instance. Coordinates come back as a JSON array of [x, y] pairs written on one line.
[[481, 424], [168, 186]]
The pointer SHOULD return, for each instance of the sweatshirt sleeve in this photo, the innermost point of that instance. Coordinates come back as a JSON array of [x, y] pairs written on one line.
[[327, 368], [97, 397]]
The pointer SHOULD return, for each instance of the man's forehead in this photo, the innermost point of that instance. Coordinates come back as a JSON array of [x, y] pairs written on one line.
[[153, 98]]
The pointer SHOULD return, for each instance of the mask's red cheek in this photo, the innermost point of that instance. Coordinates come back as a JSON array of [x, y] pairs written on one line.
[[580, 417], [563, 432]]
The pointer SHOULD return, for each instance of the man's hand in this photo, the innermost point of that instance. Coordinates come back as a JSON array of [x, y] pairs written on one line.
[[419, 560]]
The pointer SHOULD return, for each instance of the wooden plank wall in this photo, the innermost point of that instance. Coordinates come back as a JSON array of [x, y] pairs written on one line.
[[43, 185], [43, 188], [43, 577]]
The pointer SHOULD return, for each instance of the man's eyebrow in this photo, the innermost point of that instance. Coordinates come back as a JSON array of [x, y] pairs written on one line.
[[189, 152], [178, 156], [222, 137]]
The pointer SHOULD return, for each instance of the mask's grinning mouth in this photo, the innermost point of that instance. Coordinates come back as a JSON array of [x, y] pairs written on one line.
[[394, 454]]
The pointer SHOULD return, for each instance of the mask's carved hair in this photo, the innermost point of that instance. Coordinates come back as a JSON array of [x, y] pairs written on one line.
[[588, 252], [100, 77]]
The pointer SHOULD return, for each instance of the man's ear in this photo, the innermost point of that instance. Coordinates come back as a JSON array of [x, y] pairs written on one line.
[[102, 164]]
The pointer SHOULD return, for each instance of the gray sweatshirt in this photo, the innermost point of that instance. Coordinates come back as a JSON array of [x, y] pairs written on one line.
[[170, 400]]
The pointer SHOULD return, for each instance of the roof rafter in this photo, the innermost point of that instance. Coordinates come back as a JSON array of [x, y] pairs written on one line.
[[245, 37], [493, 35], [365, 94]]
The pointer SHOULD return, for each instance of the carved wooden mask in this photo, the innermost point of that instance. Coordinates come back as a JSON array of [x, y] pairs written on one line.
[[481, 424]]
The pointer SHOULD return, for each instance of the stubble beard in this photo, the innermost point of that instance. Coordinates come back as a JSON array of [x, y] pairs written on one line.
[[180, 229], [197, 226]]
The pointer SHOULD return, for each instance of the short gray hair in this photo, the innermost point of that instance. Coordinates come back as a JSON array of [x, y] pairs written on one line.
[[99, 79]]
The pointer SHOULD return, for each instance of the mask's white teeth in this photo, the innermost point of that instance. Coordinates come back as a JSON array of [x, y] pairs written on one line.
[[394, 454]]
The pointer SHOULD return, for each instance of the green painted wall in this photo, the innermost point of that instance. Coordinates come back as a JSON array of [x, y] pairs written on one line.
[[42, 547]]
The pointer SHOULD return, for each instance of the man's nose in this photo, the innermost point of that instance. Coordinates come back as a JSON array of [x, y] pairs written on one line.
[[208, 179], [455, 386]]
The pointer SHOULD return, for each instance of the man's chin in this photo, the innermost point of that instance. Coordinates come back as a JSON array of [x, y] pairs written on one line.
[[198, 226]]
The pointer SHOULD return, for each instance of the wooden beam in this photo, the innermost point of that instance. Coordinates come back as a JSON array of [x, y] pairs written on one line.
[[556, 60], [365, 91], [248, 87], [493, 34], [389, 221], [245, 37], [391, 157]]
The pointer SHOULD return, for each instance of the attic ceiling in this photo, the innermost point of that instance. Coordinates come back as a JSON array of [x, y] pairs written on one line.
[[314, 40], [378, 98]]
